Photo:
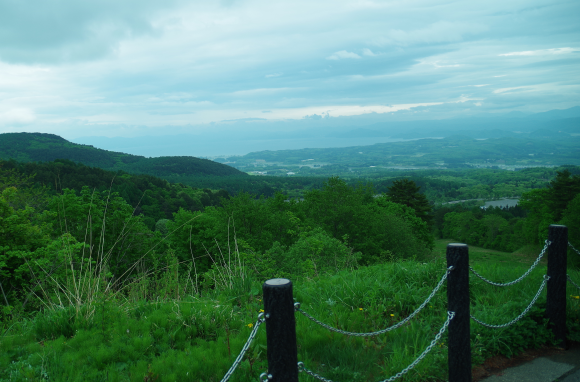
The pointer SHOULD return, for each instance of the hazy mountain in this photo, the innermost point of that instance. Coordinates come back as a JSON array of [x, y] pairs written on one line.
[[244, 136]]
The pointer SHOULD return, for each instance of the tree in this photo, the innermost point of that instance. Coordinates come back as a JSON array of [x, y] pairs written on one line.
[[18, 238], [406, 192], [562, 189], [335, 206]]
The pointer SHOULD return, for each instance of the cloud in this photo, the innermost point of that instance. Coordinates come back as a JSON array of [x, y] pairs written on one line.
[[514, 89], [543, 52], [16, 117], [187, 63], [48, 31], [368, 52], [438, 32], [342, 55]]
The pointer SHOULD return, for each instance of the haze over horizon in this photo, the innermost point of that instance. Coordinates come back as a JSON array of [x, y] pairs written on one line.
[[235, 67]]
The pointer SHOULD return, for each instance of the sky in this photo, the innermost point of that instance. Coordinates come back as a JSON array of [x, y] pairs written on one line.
[[142, 67]]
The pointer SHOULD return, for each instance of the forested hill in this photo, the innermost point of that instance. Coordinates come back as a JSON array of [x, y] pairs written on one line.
[[38, 147], [150, 196]]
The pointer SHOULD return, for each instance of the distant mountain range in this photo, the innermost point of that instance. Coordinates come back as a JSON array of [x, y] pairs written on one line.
[[245, 136], [37, 147]]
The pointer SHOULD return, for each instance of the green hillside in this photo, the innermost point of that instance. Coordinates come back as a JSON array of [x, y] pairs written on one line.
[[450, 152], [38, 147]]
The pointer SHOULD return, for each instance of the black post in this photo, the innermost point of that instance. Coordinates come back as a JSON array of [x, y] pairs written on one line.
[[459, 352], [280, 330], [556, 304]]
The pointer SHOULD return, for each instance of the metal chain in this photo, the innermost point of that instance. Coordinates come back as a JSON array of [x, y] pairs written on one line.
[[522, 277], [450, 316], [546, 278], [397, 325], [302, 368], [571, 246], [573, 283], [238, 360]]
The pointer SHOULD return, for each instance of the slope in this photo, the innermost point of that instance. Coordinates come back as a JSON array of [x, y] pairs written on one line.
[[38, 147]]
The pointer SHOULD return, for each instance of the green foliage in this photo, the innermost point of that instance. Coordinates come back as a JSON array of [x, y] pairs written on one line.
[[19, 239], [548, 206], [571, 219], [562, 189], [152, 197], [197, 337], [122, 302], [375, 228], [493, 228], [406, 192], [106, 223], [314, 254], [38, 147], [450, 152]]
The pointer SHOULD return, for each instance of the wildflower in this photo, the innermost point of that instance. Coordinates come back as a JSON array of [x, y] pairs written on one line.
[[261, 310], [250, 325], [360, 309], [576, 297], [392, 315]]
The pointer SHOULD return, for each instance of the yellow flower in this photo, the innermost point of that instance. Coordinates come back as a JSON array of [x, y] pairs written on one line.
[[392, 315], [250, 325], [261, 310], [360, 309], [576, 297]]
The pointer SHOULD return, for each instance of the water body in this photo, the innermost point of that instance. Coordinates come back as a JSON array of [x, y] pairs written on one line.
[[502, 203]]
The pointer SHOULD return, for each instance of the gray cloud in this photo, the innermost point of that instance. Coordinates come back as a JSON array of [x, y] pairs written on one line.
[[44, 31], [148, 63]]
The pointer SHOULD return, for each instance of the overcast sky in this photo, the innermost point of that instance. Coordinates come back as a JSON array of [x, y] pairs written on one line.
[[135, 67]]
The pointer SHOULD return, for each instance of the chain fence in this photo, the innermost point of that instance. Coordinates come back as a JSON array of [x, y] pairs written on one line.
[[546, 278], [450, 316], [519, 279], [572, 282], [571, 246], [568, 276], [371, 334], [261, 319]]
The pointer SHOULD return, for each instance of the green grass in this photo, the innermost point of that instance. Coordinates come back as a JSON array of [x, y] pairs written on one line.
[[197, 337]]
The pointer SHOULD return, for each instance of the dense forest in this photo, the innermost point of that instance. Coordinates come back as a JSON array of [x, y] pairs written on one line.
[[38, 147], [129, 219], [152, 197], [332, 228]]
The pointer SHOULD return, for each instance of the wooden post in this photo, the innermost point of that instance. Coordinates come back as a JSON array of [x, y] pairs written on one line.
[[280, 330], [557, 263], [459, 352]]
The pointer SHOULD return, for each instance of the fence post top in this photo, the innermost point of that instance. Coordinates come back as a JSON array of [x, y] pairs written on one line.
[[456, 245], [274, 282], [557, 225]]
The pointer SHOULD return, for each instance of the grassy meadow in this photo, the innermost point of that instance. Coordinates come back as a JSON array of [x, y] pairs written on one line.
[[161, 327]]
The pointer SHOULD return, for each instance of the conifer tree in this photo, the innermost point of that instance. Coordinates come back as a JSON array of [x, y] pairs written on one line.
[[405, 191]]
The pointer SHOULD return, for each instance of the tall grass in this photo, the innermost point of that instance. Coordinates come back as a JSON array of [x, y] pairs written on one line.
[[163, 324], [193, 337]]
